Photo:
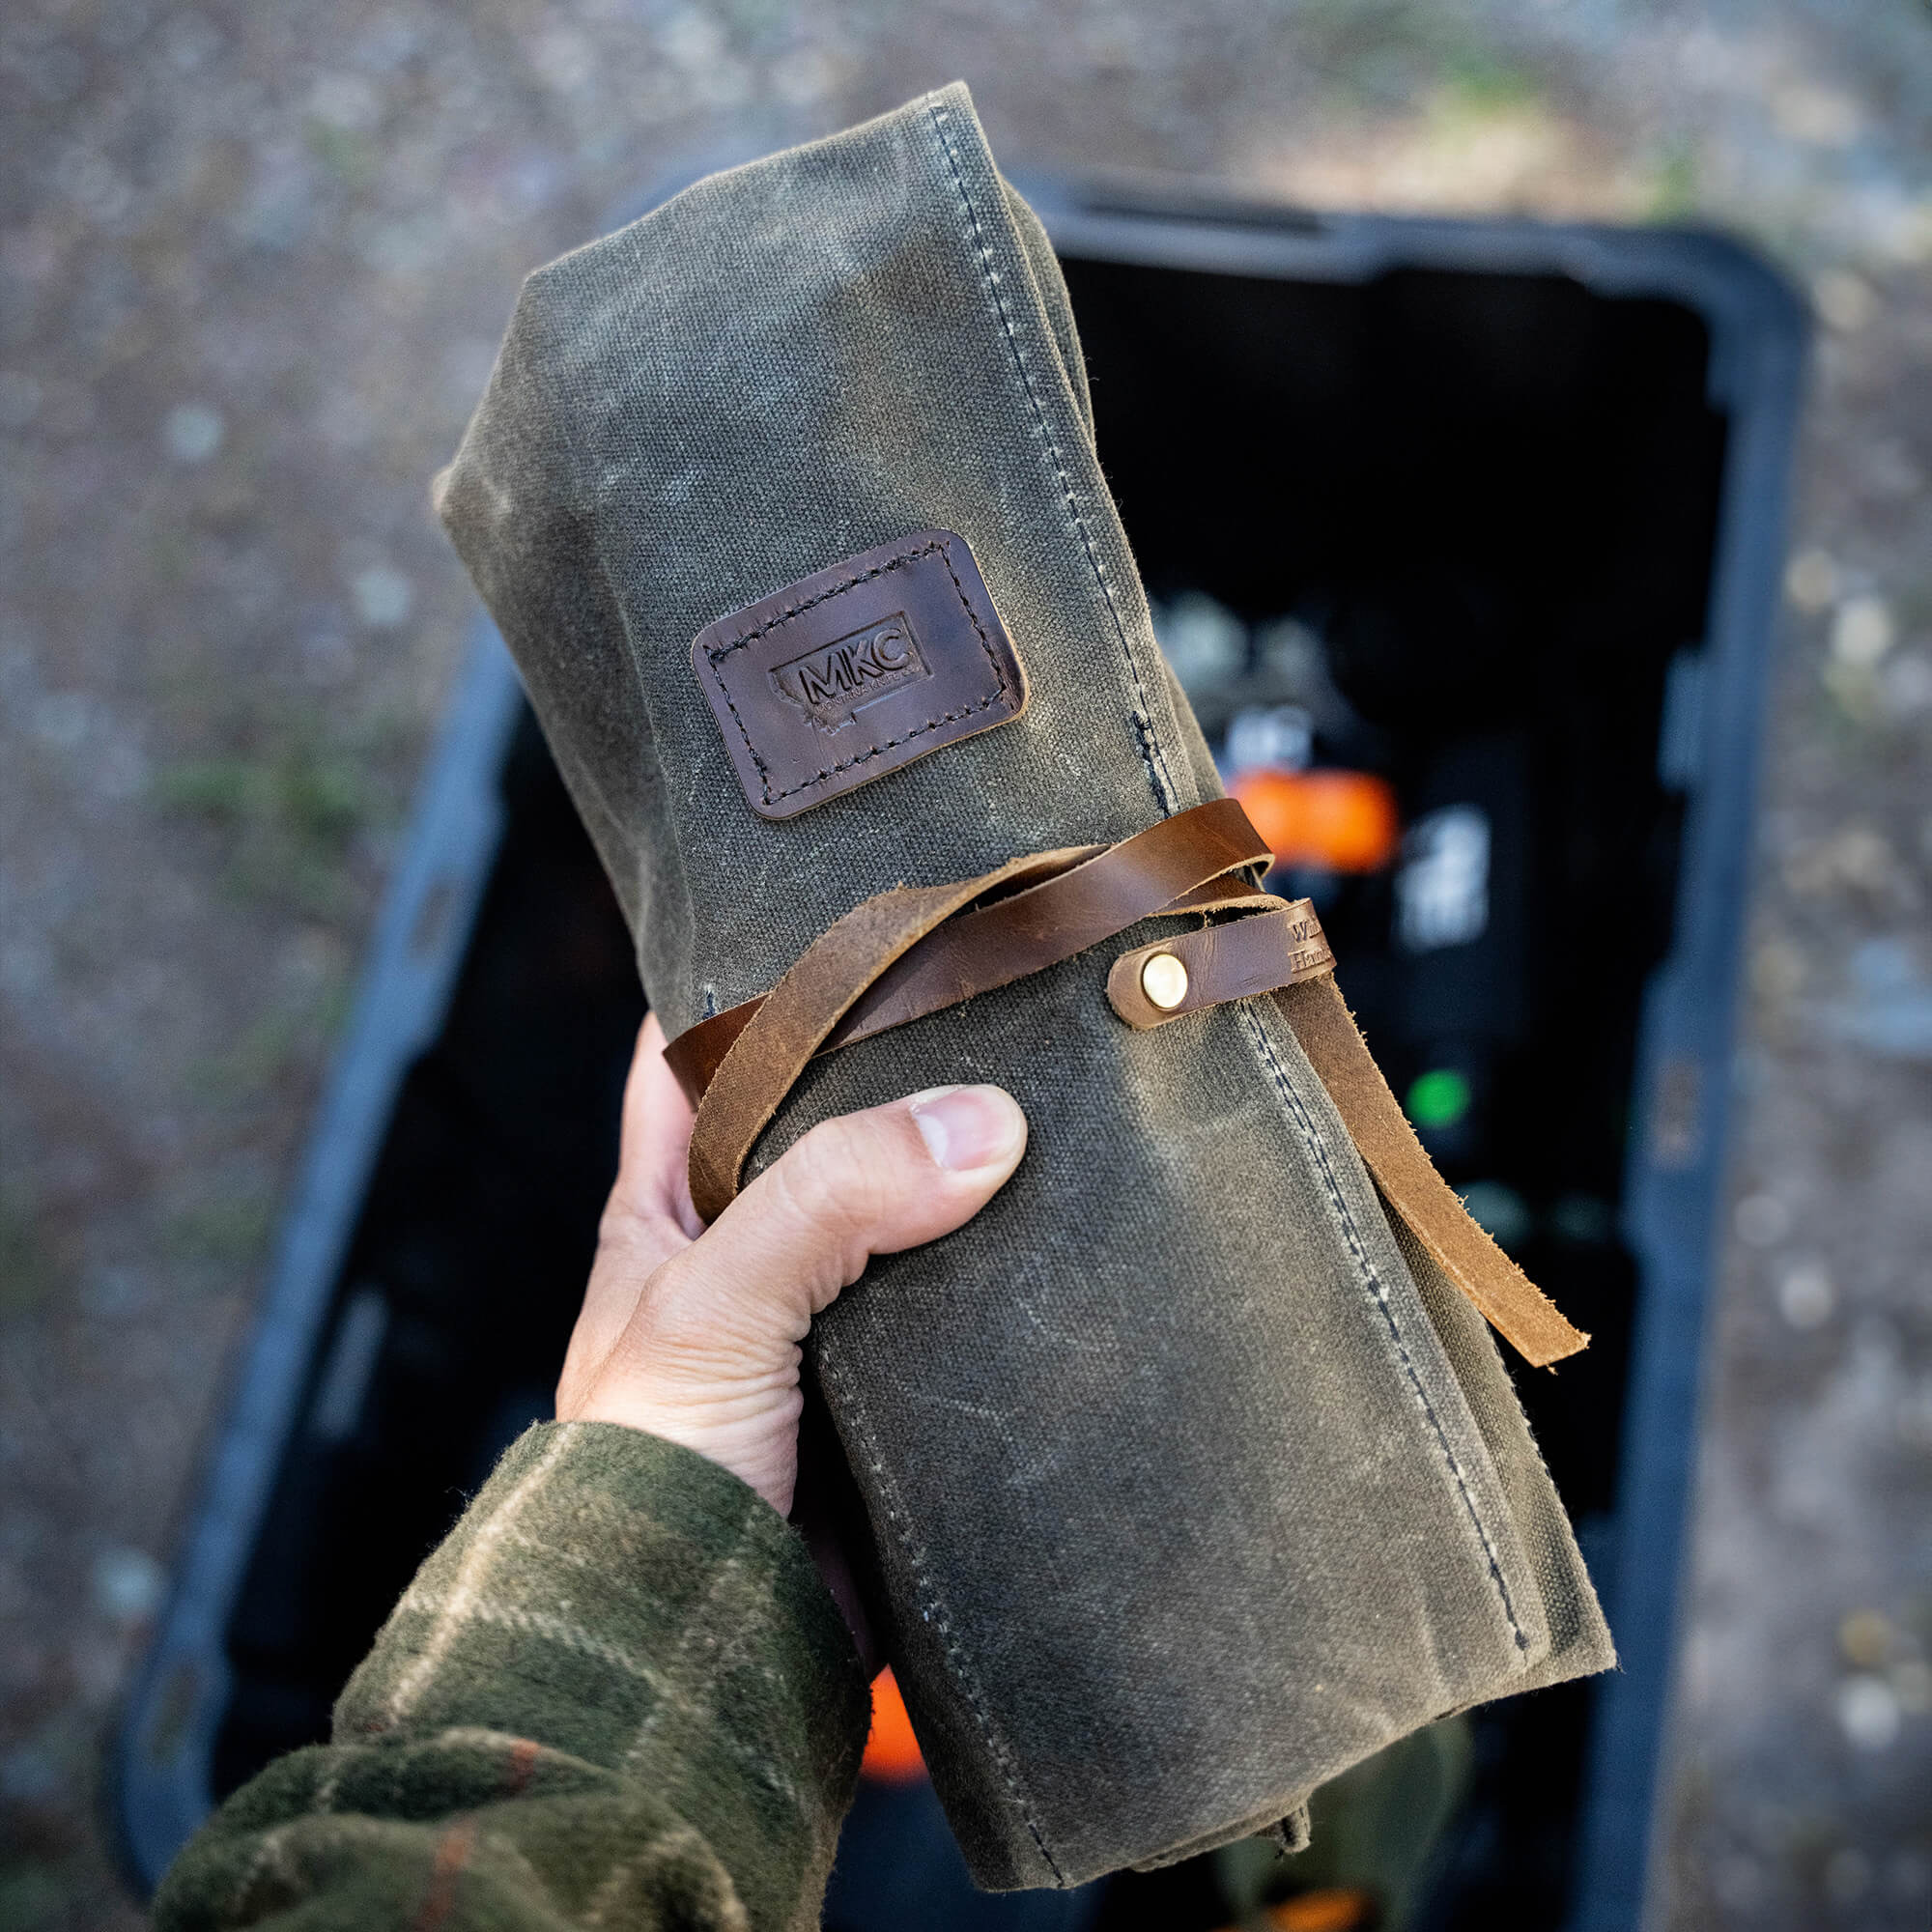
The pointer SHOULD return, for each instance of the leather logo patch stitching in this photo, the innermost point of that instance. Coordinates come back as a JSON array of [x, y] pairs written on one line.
[[854, 672], [834, 685]]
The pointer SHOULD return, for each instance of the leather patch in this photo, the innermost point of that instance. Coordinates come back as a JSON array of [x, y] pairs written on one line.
[[845, 677]]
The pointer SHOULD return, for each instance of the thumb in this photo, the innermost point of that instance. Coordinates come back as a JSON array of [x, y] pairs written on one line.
[[864, 1184], [710, 1354]]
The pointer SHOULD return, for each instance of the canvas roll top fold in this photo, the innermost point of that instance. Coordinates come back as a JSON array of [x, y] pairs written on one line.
[[1189, 1485]]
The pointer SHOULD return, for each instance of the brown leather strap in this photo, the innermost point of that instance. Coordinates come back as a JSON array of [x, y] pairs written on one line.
[[897, 958], [1280, 944], [790, 1024], [695, 1055], [1283, 952], [1506, 1297], [1181, 864]]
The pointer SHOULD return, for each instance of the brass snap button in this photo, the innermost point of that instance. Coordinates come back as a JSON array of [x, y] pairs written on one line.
[[1164, 981]]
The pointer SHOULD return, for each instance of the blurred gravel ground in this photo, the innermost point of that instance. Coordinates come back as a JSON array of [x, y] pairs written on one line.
[[253, 260]]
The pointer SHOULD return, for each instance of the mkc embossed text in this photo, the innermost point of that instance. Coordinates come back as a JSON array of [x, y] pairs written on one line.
[[832, 683], [851, 674]]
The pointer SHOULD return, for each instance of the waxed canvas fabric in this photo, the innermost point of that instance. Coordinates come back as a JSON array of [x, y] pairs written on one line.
[[1189, 1489]]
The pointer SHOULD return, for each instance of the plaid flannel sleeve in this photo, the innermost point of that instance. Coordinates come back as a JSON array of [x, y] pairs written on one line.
[[616, 1695]]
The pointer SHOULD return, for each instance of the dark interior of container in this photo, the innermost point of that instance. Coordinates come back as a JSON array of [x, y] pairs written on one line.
[[1491, 498]]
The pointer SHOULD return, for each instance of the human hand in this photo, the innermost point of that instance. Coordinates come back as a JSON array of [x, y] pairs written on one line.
[[693, 1334]]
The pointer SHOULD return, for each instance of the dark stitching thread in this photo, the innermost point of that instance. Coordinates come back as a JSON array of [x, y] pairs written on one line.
[[858, 759], [1143, 731], [1164, 789], [931, 1606], [790, 612], [763, 772], [1313, 1140], [971, 615]]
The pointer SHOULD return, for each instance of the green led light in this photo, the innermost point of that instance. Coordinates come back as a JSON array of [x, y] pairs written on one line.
[[1438, 1100]]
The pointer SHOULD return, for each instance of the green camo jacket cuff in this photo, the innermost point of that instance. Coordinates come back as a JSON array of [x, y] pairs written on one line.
[[618, 1695]]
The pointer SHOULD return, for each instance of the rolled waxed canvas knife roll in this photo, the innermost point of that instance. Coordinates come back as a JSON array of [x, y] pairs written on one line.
[[1193, 1471]]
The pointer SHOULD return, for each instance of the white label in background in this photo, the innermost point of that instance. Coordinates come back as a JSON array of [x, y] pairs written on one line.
[[1278, 735], [352, 1362], [1442, 891], [1680, 737], [1204, 641]]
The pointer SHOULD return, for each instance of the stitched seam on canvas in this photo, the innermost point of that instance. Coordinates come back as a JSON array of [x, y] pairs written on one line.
[[1380, 1293], [1143, 734], [932, 1606], [786, 616], [1166, 793]]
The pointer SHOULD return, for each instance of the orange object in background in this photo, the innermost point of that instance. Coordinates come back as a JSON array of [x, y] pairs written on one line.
[[1332, 1908], [1338, 1909], [891, 1751], [1342, 821]]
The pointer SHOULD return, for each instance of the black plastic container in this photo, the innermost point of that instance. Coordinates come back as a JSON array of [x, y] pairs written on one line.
[[1515, 494]]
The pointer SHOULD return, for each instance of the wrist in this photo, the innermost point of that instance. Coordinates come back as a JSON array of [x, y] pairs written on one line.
[[750, 1430]]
